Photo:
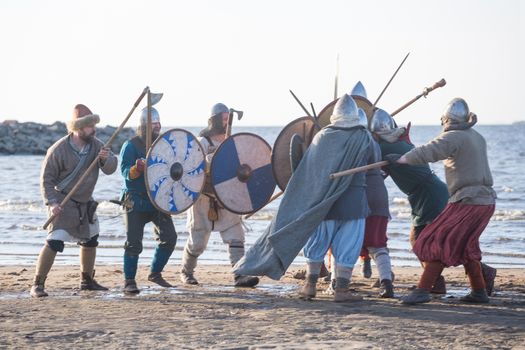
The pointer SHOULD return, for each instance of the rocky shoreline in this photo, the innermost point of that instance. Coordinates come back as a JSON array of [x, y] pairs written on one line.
[[35, 138]]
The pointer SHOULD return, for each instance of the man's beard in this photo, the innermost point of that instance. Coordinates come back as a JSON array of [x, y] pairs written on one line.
[[87, 138], [141, 132]]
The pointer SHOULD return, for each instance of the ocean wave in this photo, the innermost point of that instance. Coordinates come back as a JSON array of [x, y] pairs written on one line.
[[508, 215], [22, 205], [400, 201]]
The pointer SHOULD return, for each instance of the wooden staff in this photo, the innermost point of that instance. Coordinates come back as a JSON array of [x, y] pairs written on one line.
[[274, 197], [95, 161], [387, 84], [359, 169], [300, 104], [425, 92], [148, 124]]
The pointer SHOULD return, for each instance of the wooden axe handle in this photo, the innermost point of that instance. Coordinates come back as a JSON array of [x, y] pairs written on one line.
[[358, 169]]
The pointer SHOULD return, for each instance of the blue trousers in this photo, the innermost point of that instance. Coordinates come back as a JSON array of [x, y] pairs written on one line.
[[345, 238]]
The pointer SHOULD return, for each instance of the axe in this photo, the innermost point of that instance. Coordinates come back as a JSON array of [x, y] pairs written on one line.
[[230, 120]]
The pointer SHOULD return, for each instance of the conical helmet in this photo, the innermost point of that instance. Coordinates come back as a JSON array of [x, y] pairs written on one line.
[[457, 110], [155, 118], [363, 120], [359, 90], [219, 108], [381, 121], [345, 112]]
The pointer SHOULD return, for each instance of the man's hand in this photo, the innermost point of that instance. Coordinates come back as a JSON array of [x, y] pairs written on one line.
[[392, 159], [140, 165], [56, 209], [103, 154]]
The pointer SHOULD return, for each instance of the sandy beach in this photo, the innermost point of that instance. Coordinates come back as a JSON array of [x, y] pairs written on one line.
[[217, 315]]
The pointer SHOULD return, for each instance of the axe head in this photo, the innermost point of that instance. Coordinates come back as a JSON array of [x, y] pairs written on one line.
[[239, 113], [155, 98]]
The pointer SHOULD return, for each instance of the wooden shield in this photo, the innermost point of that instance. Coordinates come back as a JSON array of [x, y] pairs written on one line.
[[174, 174], [281, 165], [241, 173], [363, 103]]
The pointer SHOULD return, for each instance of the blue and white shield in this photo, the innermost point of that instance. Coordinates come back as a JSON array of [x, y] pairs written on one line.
[[241, 173], [175, 168]]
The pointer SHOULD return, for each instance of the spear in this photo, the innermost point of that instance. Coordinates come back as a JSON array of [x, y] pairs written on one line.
[[387, 84], [425, 92]]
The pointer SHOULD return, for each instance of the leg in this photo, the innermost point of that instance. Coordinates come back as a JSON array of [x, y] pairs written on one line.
[[440, 286], [421, 294], [234, 237], [167, 237], [382, 259], [346, 246], [195, 246], [315, 251], [478, 292], [88, 252], [134, 222], [46, 258]]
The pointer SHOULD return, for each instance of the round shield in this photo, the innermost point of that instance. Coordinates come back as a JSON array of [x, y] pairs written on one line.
[[175, 168], [281, 158], [241, 173], [362, 102]]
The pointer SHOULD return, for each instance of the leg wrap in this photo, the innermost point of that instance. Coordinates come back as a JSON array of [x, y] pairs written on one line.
[[382, 260], [236, 251], [45, 261]]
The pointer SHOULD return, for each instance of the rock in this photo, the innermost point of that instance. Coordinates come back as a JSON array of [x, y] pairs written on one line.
[[35, 138]]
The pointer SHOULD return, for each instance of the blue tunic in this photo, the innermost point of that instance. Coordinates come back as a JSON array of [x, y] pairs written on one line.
[[135, 187]]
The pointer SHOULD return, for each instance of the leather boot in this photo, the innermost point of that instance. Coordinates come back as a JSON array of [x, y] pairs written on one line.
[[188, 278], [478, 296], [130, 287], [418, 296], [156, 277], [367, 268], [246, 281], [88, 282], [386, 289], [309, 290], [37, 290], [342, 295]]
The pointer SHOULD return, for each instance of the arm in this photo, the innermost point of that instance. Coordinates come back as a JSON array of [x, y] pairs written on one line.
[[49, 178], [128, 162], [442, 147]]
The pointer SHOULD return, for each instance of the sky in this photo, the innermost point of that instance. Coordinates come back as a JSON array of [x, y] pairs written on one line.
[[248, 54]]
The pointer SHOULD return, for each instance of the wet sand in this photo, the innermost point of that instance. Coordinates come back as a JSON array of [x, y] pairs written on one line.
[[215, 314]]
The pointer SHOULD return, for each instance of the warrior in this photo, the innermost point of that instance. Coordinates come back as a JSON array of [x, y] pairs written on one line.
[[207, 215], [375, 238], [140, 210], [308, 216], [66, 160], [343, 226], [452, 239], [427, 194]]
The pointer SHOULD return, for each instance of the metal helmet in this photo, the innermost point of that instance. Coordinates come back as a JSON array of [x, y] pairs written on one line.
[[381, 121], [359, 90], [456, 110], [345, 112], [155, 118], [363, 120], [219, 108]]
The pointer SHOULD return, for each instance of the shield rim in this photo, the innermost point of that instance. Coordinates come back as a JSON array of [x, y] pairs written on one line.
[[281, 135], [356, 98], [211, 172], [146, 172]]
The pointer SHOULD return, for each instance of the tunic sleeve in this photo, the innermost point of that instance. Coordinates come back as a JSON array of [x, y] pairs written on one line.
[[127, 159], [442, 147], [49, 177]]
